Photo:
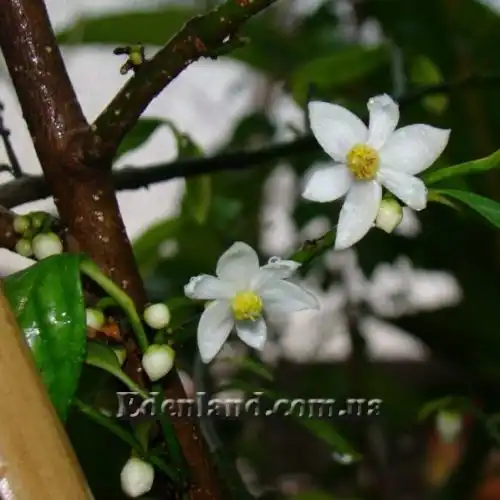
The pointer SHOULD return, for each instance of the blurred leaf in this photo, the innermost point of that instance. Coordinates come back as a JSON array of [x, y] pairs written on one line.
[[424, 72], [141, 132], [147, 245], [314, 495], [470, 167], [149, 27], [198, 197], [339, 68], [253, 366], [47, 300], [489, 209]]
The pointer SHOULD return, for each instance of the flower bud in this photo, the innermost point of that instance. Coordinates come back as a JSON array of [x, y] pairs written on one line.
[[389, 215], [158, 361], [95, 318], [449, 425], [23, 247], [38, 219], [136, 477], [46, 244], [21, 224], [157, 316]]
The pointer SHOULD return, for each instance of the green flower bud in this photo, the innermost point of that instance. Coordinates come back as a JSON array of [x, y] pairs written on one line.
[[23, 247]]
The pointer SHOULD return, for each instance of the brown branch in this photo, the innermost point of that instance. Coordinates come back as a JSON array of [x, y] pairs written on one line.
[[203, 36]]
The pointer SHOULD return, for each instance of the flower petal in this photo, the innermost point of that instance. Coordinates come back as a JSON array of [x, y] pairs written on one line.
[[414, 148], [253, 333], [336, 129], [285, 297], [206, 287], [238, 264], [409, 189], [358, 213], [279, 269], [326, 183], [384, 116], [214, 328]]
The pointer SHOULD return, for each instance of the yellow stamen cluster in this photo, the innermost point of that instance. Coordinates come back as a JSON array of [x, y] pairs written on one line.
[[246, 305], [363, 161]]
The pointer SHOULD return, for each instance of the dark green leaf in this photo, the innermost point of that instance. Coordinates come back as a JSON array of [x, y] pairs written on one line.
[[198, 197], [489, 209], [340, 67], [149, 27], [48, 302], [141, 132]]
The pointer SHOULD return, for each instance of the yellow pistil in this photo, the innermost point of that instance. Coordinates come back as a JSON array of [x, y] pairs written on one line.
[[246, 306], [363, 161]]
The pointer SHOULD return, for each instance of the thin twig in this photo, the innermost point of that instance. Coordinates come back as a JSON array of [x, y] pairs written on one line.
[[15, 166]]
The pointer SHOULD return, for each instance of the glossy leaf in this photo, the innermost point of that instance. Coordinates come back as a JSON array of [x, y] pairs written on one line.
[[141, 132], [47, 300], [336, 69], [489, 209]]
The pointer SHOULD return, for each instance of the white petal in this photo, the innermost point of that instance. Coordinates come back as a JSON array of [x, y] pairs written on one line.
[[336, 129], [414, 148], [238, 264], [285, 297], [326, 183], [206, 287], [253, 333], [358, 213], [409, 189], [384, 116], [214, 328], [279, 269]]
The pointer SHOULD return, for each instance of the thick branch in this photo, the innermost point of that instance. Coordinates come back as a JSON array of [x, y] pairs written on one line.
[[202, 36]]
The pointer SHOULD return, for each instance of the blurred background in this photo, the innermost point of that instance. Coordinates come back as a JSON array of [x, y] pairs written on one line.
[[407, 318]]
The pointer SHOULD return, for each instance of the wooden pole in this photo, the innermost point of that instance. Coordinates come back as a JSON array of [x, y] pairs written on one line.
[[36, 458]]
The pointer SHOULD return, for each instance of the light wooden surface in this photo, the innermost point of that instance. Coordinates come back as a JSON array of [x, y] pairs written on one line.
[[36, 458]]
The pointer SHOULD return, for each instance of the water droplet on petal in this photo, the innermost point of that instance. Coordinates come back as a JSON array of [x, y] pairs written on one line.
[[343, 458], [274, 260]]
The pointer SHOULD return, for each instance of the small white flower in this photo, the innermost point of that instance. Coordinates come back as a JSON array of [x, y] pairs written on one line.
[[95, 318], [240, 293], [158, 361], [157, 316], [136, 477], [449, 425], [46, 244], [367, 158], [389, 216]]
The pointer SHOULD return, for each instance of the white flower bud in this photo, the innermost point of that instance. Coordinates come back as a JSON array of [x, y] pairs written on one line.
[[23, 247], [21, 224], [157, 316], [389, 215], [46, 244], [94, 317], [158, 361], [136, 477], [449, 425]]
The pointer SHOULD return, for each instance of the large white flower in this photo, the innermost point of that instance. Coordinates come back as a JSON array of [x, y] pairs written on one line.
[[241, 292], [367, 158]]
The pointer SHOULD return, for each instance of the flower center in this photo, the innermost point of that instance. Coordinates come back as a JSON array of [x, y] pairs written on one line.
[[363, 161], [246, 305]]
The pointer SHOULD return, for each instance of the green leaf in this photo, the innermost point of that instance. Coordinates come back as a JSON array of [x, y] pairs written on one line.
[[141, 132], [103, 357], [198, 197], [470, 167], [147, 245], [312, 495], [336, 69], [149, 27], [489, 209], [47, 300], [253, 366], [425, 72]]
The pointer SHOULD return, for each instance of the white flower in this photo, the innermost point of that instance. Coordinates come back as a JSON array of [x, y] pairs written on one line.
[[241, 292], [367, 158], [389, 215], [95, 318], [449, 425], [137, 477], [158, 361], [157, 316]]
